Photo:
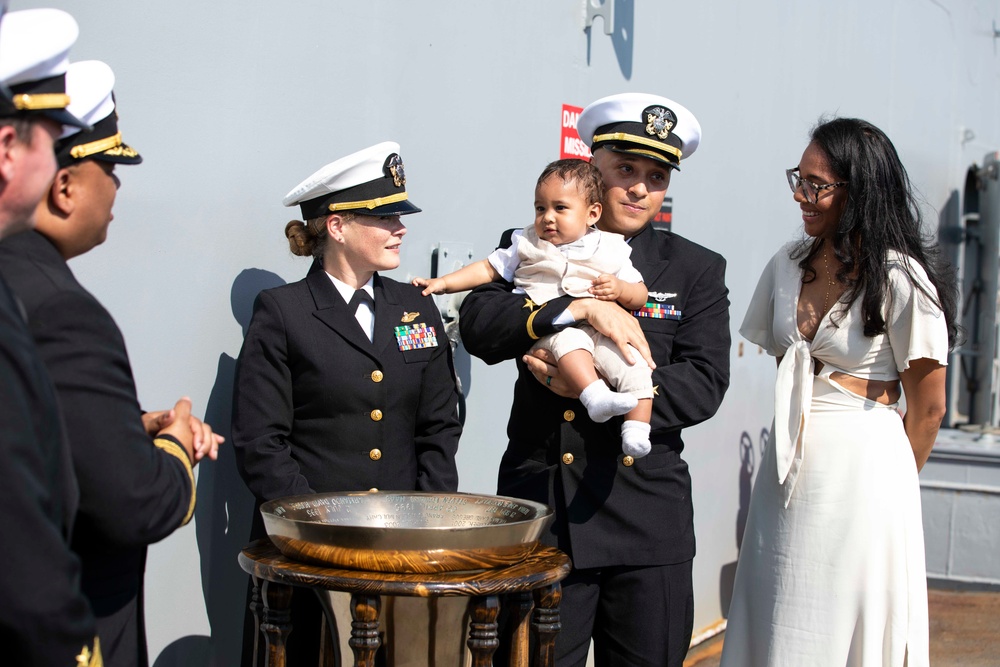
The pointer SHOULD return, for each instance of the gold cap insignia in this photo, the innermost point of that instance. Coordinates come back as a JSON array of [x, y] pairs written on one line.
[[659, 121], [395, 167], [409, 317]]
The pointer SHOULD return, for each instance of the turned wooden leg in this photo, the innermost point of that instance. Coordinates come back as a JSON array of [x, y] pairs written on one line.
[[546, 624], [364, 639], [277, 621], [257, 609], [520, 606], [483, 638]]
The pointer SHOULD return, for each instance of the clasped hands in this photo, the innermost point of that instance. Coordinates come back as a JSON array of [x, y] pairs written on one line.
[[195, 436]]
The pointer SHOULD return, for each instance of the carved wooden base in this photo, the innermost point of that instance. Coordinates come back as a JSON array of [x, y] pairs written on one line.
[[530, 584]]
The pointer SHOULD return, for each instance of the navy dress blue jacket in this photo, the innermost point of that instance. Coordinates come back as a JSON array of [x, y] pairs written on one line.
[[44, 617], [318, 407]]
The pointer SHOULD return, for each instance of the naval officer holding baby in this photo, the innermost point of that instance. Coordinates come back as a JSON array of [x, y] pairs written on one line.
[[626, 522]]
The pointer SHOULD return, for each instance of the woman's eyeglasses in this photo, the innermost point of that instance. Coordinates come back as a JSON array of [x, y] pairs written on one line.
[[810, 190]]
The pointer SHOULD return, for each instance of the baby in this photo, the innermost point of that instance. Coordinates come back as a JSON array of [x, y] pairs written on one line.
[[562, 253]]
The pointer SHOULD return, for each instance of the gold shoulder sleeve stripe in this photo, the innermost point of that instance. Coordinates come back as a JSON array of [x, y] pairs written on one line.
[[172, 448], [88, 658], [531, 320]]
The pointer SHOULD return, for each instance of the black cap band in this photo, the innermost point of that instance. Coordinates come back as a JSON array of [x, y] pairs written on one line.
[[103, 142]]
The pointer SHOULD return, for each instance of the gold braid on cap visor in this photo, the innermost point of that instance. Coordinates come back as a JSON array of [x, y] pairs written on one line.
[[94, 147], [26, 102], [635, 139], [369, 203]]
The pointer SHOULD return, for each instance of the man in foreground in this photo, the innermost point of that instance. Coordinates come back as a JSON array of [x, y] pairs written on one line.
[[44, 618]]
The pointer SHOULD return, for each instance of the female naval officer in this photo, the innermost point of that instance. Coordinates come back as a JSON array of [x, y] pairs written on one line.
[[345, 381]]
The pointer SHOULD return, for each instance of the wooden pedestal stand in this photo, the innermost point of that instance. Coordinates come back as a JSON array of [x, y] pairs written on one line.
[[532, 584]]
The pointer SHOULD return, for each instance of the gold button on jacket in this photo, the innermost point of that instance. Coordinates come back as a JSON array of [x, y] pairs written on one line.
[[377, 376], [375, 454], [627, 461], [567, 458], [569, 415], [376, 415]]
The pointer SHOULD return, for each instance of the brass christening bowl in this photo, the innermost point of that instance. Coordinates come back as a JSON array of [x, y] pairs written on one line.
[[409, 532]]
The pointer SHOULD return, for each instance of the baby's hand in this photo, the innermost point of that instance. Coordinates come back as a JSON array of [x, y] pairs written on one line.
[[432, 285], [606, 288]]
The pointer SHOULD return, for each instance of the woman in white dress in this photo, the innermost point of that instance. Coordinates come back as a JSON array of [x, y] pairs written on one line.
[[831, 570]]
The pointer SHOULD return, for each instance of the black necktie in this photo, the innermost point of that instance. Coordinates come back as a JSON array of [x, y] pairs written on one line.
[[361, 296]]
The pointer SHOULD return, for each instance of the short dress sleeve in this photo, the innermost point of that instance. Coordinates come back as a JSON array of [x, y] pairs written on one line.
[[758, 323], [916, 326], [505, 260]]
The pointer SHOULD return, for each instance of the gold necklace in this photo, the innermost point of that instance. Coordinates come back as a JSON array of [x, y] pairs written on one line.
[[829, 282]]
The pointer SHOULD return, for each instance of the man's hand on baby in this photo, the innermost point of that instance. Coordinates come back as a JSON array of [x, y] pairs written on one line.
[[543, 365], [606, 288], [431, 285]]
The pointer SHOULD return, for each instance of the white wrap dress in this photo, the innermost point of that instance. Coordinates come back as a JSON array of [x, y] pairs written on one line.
[[831, 570]]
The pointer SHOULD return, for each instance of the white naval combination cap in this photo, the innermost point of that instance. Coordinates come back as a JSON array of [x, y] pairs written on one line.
[[369, 182], [90, 85], [641, 124], [34, 55]]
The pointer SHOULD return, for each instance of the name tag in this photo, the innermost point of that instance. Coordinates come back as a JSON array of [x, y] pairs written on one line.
[[416, 337], [658, 311]]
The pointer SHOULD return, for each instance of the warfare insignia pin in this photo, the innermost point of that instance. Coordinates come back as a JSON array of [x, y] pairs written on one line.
[[395, 167], [409, 317], [659, 121], [662, 296]]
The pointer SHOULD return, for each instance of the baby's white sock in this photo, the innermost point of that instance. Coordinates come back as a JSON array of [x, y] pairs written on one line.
[[635, 438], [602, 404]]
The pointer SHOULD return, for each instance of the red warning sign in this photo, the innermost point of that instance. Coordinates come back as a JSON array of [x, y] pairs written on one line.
[[665, 218], [570, 144]]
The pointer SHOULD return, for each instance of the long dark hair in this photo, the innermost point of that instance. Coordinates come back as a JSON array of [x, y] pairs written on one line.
[[881, 214]]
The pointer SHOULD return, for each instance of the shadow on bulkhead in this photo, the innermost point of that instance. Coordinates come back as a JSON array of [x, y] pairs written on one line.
[[224, 511], [622, 37], [748, 463]]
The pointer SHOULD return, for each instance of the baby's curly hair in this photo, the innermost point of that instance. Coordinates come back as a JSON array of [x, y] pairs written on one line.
[[587, 177]]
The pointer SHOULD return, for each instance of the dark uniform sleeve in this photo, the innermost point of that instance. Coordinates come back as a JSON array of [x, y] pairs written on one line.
[[262, 407], [44, 618], [497, 324], [437, 425], [132, 492], [696, 379]]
